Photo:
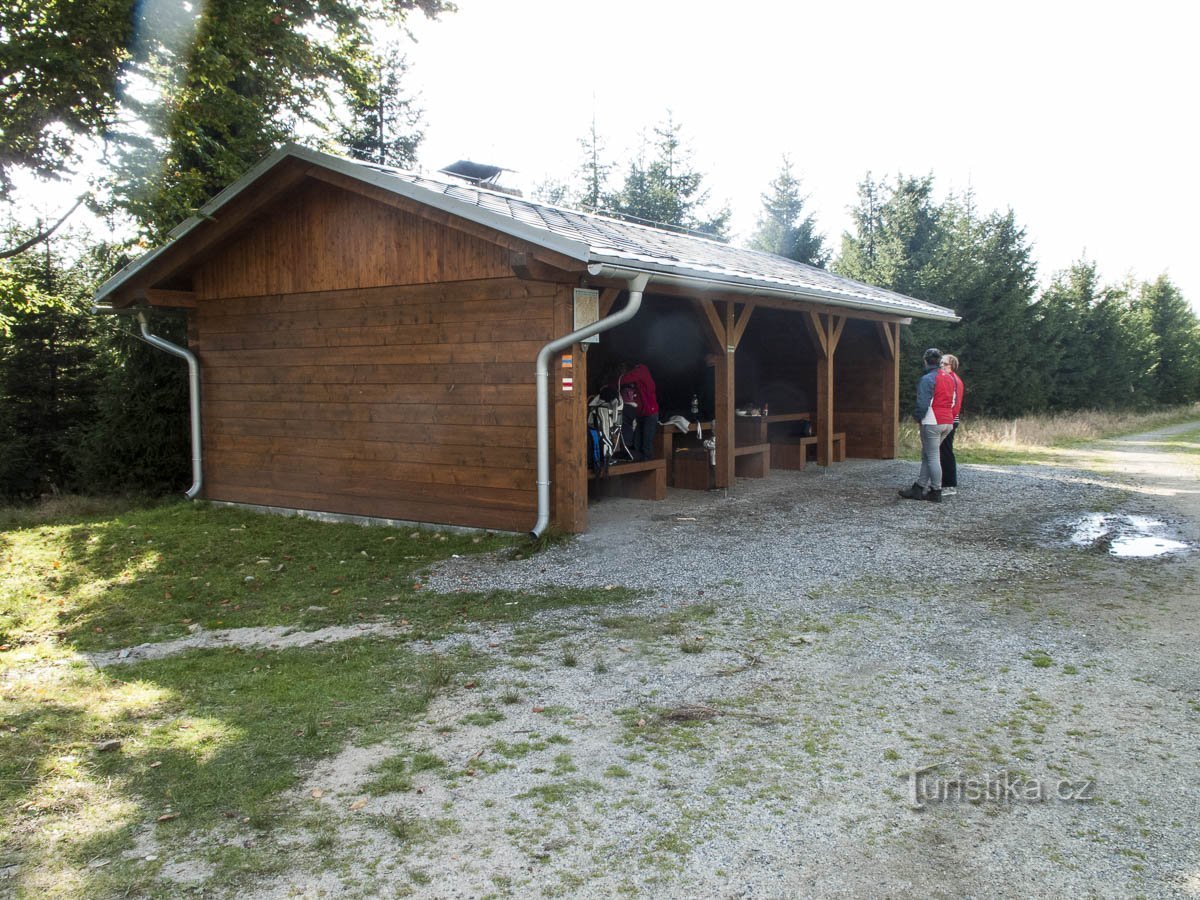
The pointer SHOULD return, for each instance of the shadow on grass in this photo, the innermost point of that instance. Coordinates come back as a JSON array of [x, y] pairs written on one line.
[[149, 574], [221, 735]]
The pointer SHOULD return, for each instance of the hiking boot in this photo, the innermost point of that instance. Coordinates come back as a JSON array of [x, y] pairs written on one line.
[[934, 496], [916, 492]]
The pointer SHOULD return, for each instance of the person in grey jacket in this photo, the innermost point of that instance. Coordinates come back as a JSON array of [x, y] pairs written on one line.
[[938, 402]]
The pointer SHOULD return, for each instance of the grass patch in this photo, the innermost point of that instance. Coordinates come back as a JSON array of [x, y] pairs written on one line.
[[209, 739], [1040, 439], [205, 737], [558, 792], [654, 628], [395, 772], [117, 579]]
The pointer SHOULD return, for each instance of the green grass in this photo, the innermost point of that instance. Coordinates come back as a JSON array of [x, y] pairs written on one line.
[[145, 575], [395, 773], [209, 739], [1048, 439]]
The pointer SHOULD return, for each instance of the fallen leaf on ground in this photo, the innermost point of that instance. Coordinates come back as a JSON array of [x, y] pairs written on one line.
[[359, 803], [167, 817], [317, 793]]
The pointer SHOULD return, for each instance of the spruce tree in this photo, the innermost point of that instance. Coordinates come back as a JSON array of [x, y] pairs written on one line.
[[1175, 342], [384, 124], [46, 372], [1062, 317], [665, 189], [783, 227]]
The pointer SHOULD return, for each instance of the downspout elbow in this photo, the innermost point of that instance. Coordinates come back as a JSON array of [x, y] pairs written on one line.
[[637, 285], [193, 398]]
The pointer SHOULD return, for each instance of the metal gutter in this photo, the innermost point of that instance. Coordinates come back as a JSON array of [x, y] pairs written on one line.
[[193, 398], [637, 284], [751, 287]]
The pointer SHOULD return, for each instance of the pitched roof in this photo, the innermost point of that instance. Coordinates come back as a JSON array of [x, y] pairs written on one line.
[[588, 237]]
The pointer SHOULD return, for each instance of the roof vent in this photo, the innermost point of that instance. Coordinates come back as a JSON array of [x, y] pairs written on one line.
[[480, 175]]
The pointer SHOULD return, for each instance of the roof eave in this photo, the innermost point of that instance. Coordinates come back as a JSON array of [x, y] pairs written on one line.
[[700, 280], [368, 175]]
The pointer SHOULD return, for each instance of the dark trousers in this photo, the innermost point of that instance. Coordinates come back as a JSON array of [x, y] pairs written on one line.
[[949, 463], [638, 434]]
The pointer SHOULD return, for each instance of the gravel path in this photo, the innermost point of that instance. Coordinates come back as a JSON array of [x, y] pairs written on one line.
[[749, 727]]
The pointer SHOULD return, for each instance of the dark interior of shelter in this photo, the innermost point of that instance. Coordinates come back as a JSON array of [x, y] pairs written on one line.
[[775, 367], [775, 363]]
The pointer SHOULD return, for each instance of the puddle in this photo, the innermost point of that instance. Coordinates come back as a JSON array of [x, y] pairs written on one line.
[[1129, 537]]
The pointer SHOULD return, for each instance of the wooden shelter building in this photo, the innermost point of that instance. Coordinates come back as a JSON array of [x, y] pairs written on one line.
[[367, 339]]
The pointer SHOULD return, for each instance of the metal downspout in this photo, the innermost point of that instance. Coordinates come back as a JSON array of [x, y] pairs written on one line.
[[193, 398], [637, 284]]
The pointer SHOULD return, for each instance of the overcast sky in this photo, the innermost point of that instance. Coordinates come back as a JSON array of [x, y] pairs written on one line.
[[1079, 116]]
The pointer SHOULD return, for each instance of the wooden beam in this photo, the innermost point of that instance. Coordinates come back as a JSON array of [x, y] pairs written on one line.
[[528, 267], [816, 330], [608, 296], [724, 416], [825, 410], [884, 330], [160, 297], [716, 330], [837, 323], [740, 328]]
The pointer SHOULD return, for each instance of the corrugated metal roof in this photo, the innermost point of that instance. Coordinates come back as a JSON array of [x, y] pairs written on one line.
[[591, 238], [618, 242]]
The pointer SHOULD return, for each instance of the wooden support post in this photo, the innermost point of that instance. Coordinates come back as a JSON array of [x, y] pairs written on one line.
[[825, 329], [889, 335], [568, 439], [725, 329], [726, 379]]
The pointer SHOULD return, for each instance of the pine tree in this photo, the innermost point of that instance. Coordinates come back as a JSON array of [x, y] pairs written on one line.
[[1067, 362], [1175, 336], [665, 190], [594, 170], [947, 254], [783, 227], [256, 74], [384, 124], [1121, 345], [46, 372]]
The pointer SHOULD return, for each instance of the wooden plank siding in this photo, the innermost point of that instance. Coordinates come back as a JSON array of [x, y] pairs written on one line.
[[359, 359], [324, 238], [399, 428]]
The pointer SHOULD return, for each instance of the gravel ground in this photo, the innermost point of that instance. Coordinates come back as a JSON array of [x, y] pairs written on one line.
[[748, 727]]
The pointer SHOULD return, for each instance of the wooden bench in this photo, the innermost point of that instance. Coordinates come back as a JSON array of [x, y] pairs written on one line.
[[642, 480], [752, 461], [792, 452], [694, 477], [751, 449]]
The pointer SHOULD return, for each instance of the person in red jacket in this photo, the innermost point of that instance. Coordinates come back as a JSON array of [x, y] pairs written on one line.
[[938, 402], [949, 463], [640, 415]]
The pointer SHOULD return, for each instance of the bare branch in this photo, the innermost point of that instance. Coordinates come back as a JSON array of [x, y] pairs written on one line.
[[44, 235]]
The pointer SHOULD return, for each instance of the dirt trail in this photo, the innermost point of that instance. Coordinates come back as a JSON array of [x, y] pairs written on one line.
[[801, 617]]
